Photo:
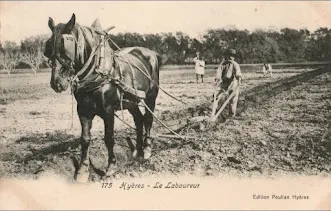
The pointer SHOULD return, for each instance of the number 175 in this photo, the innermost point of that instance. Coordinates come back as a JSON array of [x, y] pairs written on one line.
[[106, 185]]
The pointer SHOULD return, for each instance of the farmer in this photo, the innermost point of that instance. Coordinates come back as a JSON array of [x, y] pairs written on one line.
[[199, 67], [267, 69], [228, 79]]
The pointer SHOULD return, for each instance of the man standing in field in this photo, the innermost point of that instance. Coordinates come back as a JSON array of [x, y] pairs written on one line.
[[199, 67], [228, 79]]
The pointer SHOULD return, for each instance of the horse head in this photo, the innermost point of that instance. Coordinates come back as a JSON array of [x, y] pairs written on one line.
[[69, 49]]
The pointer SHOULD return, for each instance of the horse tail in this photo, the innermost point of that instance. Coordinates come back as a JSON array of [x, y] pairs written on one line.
[[155, 62], [158, 63], [159, 60]]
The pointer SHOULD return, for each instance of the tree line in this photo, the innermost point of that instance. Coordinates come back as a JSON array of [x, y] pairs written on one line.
[[27, 55], [286, 45]]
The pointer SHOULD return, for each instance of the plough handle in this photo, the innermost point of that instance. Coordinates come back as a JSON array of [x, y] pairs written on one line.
[[215, 102], [213, 118]]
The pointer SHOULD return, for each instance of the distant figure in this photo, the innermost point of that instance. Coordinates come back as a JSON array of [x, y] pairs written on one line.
[[228, 79], [267, 69], [199, 67]]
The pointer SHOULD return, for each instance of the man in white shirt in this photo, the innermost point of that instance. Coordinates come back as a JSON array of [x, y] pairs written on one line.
[[199, 67]]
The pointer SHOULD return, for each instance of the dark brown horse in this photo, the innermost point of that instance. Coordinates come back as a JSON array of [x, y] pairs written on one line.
[[103, 81]]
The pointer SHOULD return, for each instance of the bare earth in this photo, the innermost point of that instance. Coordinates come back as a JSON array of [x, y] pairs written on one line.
[[283, 128]]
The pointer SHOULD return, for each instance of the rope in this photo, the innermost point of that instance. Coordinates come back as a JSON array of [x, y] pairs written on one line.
[[72, 108], [124, 122], [121, 93], [154, 81], [121, 103], [164, 125], [114, 43], [145, 73], [72, 111]]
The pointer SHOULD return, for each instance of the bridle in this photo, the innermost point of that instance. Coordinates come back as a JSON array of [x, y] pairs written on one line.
[[68, 68], [65, 65]]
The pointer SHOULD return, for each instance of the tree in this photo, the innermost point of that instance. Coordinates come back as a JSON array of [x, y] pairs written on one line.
[[9, 56], [153, 42], [182, 47], [127, 40], [32, 51], [33, 59], [293, 44], [319, 45], [263, 47], [195, 45], [170, 48], [214, 43]]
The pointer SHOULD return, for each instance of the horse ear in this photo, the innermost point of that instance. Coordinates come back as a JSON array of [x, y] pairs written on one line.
[[51, 23], [70, 25]]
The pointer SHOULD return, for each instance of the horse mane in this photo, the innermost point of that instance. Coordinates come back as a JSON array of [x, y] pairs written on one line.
[[86, 39], [85, 34]]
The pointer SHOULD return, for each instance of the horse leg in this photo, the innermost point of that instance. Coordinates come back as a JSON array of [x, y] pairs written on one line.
[[86, 123], [138, 120], [109, 141], [148, 122]]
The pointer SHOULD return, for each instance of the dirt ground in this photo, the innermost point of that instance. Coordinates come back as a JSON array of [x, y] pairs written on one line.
[[283, 128]]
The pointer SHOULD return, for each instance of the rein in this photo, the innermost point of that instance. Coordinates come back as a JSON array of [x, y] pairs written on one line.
[[153, 81], [145, 73]]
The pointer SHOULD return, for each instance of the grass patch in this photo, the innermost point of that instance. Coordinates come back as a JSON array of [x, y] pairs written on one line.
[[12, 94]]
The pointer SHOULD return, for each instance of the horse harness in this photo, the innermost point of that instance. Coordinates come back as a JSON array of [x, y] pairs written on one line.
[[91, 82], [105, 74]]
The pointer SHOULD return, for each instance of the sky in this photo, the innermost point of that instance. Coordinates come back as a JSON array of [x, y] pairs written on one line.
[[23, 19]]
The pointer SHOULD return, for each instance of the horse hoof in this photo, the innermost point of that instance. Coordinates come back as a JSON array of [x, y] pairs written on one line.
[[137, 153], [134, 153], [147, 153], [82, 177], [111, 170]]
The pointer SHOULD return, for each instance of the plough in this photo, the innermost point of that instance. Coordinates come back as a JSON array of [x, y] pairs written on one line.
[[214, 114], [216, 99]]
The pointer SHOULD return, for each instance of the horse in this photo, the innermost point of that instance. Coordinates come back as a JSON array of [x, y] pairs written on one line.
[[103, 81]]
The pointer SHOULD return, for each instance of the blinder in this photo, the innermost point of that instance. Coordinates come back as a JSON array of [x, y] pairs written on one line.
[[68, 47]]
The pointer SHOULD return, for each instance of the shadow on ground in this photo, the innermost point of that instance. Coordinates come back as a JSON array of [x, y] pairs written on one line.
[[38, 147]]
